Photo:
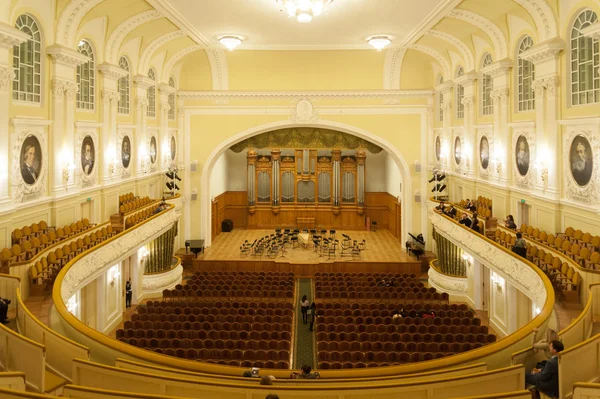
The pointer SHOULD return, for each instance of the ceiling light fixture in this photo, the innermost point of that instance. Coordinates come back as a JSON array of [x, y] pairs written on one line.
[[304, 10], [231, 41], [379, 41]]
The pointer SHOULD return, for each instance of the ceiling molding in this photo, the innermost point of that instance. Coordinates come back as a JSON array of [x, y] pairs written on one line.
[[467, 54], [154, 45], [392, 68], [173, 60], [218, 68], [488, 27], [113, 44], [437, 56], [543, 16], [384, 94], [430, 21], [70, 18], [169, 12]]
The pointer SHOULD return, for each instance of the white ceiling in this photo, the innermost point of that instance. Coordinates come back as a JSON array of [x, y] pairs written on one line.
[[266, 26]]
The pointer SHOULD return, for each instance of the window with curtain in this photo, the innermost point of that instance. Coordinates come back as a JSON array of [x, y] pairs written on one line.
[[172, 100], [264, 187], [86, 77], [123, 88], [585, 62], [525, 77], [460, 94], [348, 187], [27, 62], [287, 186], [325, 187], [487, 84], [306, 191], [151, 95]]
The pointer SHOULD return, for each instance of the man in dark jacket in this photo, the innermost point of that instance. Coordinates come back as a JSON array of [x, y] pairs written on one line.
[[546, 379]]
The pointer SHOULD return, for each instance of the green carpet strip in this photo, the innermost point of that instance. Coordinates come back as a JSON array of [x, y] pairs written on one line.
[[305, 348]]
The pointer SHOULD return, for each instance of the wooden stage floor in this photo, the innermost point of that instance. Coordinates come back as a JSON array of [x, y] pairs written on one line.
[[381, 246]]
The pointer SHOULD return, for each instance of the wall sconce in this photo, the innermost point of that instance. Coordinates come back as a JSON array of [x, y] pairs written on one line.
[[112, 162], [114, 275], [542, 167], [498, 281], [72, 304], [67, 168], [537, 311]]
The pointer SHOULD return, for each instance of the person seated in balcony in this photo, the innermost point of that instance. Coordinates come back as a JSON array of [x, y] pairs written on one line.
[[306, 373], [544, 344], [465, 221], [546, 379], [520, 246], [451, 212], [441, 207], [475, 224], [509, 223]]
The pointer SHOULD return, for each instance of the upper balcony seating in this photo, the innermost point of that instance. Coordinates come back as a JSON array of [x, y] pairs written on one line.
[[133, 204]]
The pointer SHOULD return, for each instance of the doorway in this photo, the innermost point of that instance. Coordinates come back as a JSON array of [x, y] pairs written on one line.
[[523, 210]]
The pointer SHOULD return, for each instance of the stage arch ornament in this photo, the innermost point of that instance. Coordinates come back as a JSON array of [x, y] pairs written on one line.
[[304, 111], [86, 179], [23, 191], [525, 181], [590, 193]]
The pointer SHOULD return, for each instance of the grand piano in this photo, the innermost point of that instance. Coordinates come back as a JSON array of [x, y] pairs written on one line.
[[415, 245]]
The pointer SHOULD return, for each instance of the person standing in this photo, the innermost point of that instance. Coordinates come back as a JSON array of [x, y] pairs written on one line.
[[128, 293], [304, 308], [312, 315]]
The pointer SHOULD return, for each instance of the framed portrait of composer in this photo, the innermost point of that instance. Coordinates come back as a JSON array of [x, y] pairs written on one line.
[[581, 160]]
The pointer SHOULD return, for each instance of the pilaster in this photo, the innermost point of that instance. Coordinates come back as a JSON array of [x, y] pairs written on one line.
[[9, 37], [469, 83], [142, 83], [164, 92], [446, 90]]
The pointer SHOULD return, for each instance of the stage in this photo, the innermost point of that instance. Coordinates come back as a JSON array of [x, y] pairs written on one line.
[[383, 253]]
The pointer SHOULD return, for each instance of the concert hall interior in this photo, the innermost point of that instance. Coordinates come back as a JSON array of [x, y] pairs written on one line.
[[299, 198]]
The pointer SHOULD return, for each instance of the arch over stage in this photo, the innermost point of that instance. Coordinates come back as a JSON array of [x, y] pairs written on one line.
[[205, 201]]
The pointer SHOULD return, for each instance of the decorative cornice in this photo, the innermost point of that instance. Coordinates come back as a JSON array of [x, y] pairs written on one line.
[[498, 68], [445, 87], [592, 31], [467, 78], [113, 44], [392, 68], [7, 75], [30, 122], [154, 45], [65, 56], [157, 282], [112, 71], [218, 67], [500, 93], [143, 82], [166, 89], [210, 95], [11, 36], [544, 51], [491, 29], [452, 285]]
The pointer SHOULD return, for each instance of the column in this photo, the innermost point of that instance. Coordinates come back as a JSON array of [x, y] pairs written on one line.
[[62, 142], [9, 37], [251, 157], [545, 58], [275, 159], [499, 71], [110, 97], [467, 81], [164, 91], [142, 83], [336, 156], [361, 156]]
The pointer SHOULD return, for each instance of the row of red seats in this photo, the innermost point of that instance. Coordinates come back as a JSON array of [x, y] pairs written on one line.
[[405, 337], [211, 318], [201, 304]]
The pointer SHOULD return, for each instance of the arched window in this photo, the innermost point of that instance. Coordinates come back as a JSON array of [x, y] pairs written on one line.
[[487, 84], [123, 87], [585, 61], [460, 94], [525, 77], [86, 77], [27, 62], [151, 95], [441, 101], [172, 100]]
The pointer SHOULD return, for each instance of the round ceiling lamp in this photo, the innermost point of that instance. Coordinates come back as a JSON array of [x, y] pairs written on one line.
[[304, 10], [379, 41], [231, 41]]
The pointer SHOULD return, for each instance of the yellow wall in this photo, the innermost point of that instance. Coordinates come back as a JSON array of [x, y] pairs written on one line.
[[305, 70]]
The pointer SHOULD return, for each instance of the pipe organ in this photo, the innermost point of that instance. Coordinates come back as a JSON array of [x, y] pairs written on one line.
[[335, 181]]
